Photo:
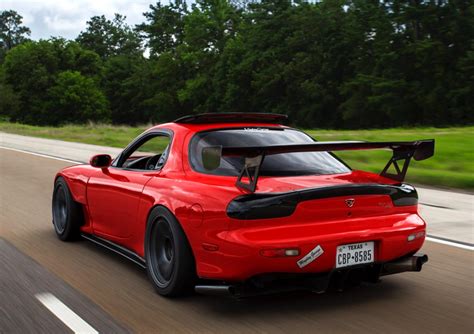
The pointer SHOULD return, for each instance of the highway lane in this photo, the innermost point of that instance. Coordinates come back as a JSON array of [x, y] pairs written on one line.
[[24, 286], [440, 299]]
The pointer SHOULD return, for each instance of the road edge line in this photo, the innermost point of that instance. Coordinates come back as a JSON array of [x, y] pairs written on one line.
[[41, 155], [452, 243]]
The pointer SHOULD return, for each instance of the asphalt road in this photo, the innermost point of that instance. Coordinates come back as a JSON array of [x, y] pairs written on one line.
[[109, 292], [22, 279]]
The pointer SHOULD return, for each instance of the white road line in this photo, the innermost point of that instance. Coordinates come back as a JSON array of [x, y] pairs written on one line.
[[42, 155], [439, 241], [65, 314], [450, 243]]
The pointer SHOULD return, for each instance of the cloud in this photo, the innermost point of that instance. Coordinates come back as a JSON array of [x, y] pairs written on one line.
[[67, 18]]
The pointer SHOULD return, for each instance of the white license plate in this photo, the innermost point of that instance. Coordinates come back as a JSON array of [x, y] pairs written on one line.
[[353, 254]]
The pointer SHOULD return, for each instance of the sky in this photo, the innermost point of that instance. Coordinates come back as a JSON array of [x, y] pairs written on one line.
[[67, 18]]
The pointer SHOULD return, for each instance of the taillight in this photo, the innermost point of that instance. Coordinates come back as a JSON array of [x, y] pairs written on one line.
[[280, 252], [415, 236], [263, 206], [279, 205], [405, 196]]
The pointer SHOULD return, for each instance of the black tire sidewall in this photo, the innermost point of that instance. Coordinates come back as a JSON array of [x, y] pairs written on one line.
[[184, 273], [71, 229]]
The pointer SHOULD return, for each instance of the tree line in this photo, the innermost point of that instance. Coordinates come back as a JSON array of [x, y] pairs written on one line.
[[327, 64]]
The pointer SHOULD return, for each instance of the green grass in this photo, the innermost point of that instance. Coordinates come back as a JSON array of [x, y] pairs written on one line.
[[452, 166], [105, 135]]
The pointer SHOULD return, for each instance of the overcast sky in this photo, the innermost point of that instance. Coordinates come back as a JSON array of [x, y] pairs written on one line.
[[67, 18]]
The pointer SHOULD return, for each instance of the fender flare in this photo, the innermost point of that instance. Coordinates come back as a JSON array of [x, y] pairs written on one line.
[[163, 210]]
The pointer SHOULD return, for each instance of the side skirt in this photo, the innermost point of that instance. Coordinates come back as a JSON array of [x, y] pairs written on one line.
[[126, 253]]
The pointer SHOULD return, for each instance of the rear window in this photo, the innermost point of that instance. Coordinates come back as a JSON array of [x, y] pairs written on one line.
[[287, 164]]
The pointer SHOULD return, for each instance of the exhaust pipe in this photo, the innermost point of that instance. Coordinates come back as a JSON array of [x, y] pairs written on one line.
[[411, 263], [215, 290]]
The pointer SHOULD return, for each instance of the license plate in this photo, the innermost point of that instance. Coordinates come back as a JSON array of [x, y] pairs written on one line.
[[353, 254]]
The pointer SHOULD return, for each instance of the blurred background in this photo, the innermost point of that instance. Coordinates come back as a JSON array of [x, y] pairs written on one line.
[[82, 77], [334, 64]]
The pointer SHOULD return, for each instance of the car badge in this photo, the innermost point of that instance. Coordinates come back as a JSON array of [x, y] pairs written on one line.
[[350, 202]]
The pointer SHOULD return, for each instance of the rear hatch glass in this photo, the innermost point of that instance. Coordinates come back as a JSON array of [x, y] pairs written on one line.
[[287, 164]]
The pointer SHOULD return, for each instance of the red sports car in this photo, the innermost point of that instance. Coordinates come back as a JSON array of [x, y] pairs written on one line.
[[241, 204]]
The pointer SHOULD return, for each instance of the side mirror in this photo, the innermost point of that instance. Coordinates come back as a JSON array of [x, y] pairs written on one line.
[[100, 161], [211, 157]]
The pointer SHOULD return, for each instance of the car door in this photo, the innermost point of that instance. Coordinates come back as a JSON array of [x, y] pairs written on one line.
[[113, 194]]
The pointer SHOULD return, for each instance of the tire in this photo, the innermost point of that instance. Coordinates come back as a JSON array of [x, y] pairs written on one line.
[[67, 214], [169, 258]]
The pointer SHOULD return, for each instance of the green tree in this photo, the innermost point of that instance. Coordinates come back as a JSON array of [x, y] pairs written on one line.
[[168, 75], [329, 63], [75, 98], [164, 29], [126, 85], [208, 27], [31, 69], [461, 95], [110, 37], [9, 101], [289, 59], [12, 32]]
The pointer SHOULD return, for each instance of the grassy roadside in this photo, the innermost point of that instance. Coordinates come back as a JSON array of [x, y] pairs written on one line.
[[452, 165], [105, 135]]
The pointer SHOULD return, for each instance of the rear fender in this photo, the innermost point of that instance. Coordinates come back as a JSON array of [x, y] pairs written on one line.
[[199, 209]]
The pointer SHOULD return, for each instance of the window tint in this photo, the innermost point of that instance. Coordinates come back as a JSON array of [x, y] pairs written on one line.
[[287, 164]]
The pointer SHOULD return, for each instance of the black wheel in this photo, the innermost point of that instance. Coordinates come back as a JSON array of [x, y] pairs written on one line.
[[67, 214], [169, 258]]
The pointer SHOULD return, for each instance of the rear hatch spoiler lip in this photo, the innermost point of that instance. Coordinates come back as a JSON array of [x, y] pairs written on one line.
[[283, 204]]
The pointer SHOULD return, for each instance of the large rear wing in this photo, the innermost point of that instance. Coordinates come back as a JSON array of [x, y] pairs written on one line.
[[254, 156]]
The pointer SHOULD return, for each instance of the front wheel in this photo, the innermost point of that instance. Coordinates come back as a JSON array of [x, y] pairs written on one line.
[[67, 214], [169, 258]]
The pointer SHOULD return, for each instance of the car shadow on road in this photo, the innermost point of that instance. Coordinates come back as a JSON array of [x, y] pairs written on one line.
[[231, 308], [300, 302]]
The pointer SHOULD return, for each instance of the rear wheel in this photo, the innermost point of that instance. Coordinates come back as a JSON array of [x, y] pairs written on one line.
[[67, 214], [169, 258]]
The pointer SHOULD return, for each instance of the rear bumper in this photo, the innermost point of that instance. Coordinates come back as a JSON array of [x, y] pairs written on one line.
[[335, 279], [240, 258]]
